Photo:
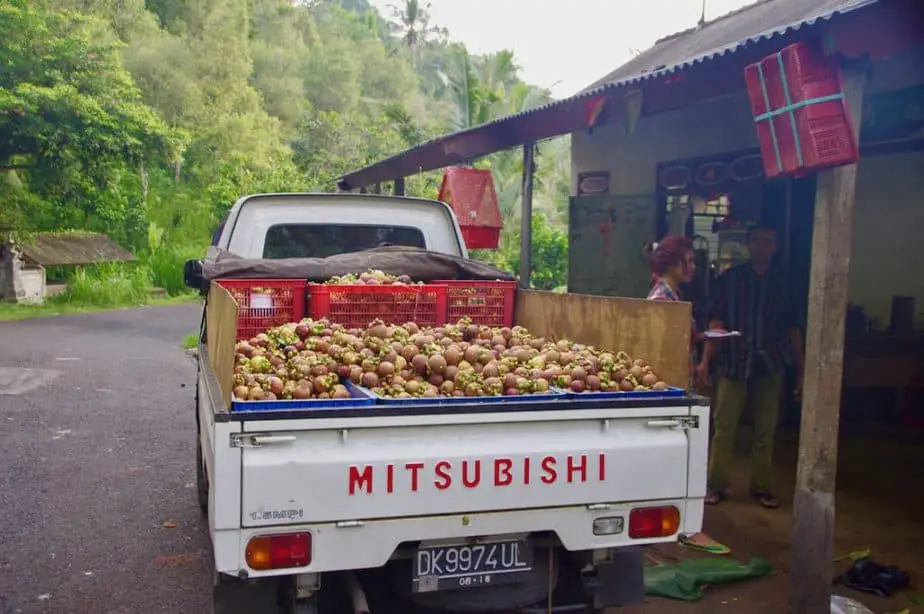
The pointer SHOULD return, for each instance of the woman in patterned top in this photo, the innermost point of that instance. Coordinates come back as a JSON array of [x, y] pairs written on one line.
[[672, 264]]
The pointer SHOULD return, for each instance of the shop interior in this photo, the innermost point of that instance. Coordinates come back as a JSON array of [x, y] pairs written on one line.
[[714, 201]]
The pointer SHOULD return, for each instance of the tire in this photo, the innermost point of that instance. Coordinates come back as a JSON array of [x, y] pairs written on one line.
[[328, 600], [202, 479], [232, 596], [306, 607]]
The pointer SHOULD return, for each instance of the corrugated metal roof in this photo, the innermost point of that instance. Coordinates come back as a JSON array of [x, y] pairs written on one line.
[[763, 20], [73, 248], [750, 24]]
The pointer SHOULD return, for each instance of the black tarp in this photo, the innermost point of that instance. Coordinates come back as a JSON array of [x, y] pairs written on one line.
[[418, 264]]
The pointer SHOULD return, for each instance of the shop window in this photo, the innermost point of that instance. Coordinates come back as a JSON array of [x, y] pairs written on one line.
[[710, 200]]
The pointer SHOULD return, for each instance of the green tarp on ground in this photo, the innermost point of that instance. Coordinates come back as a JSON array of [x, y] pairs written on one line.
[[686, 579]]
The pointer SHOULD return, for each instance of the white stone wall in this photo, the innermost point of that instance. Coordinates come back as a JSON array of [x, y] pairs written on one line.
[[32, 283]]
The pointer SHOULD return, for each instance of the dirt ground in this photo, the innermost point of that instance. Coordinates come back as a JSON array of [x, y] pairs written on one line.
[[880, 506]]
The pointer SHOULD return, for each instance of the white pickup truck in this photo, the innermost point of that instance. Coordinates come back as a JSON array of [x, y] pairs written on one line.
[[521, 506]]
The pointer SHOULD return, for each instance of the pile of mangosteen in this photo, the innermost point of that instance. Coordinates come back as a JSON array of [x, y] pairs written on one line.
[[311, 359]]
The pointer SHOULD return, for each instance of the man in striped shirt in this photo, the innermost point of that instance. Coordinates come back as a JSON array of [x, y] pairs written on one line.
[[752, 299]]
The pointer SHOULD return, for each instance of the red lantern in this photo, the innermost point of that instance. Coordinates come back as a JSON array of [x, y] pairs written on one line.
[[470, 193]]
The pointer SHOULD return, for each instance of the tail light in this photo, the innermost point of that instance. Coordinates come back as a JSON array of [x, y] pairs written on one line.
[[651, 522], [279, 551]]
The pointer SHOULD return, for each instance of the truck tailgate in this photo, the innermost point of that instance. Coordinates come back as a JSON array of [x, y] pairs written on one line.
[[313, 475]]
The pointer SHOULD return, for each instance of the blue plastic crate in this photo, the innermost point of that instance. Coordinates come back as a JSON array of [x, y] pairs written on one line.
[[552, 395], [361, 398], [670, 393]]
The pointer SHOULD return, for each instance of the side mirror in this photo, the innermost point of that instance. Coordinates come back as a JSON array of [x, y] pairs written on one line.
[[192, 274]]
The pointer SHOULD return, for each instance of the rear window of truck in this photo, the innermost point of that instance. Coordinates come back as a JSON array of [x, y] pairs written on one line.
[[323, 240]]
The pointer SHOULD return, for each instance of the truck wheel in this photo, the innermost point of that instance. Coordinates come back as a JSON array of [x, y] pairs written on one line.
[[325, 601], [309, 606], [233, 596], [202, 479]]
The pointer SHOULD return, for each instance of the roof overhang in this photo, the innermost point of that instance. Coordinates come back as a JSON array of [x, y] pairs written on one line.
[[696, 79]]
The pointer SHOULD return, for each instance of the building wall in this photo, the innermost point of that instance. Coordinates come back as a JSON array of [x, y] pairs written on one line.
[[688, 133], [721, 126], [888, 221]]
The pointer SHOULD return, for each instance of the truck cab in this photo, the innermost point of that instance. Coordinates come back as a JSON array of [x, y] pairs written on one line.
[[442, 508]]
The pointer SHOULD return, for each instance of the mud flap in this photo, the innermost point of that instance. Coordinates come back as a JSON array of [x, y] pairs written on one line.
[[620, 581], [232, 596]]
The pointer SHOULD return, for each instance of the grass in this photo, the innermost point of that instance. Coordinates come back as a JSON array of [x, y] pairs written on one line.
[[191, 340], [115, 285], [166, 266], [12, 311], [98, 288], [108, 285]]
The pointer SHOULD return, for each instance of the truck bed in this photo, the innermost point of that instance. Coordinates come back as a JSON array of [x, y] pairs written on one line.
[[378, 463]]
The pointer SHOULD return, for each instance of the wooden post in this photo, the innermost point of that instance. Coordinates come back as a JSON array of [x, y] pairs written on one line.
[[526, 216], [812, 555], [399, 186]]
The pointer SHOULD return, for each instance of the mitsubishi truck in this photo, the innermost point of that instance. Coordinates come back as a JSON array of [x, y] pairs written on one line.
[[523, 506]]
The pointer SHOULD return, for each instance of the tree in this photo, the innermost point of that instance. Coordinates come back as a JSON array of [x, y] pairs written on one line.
[[71, 120], [411, 22], [131, 115], [549, 262]]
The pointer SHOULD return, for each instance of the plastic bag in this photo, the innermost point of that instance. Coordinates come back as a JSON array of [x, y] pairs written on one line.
[[844, 605], [870, 577], [686, 579]]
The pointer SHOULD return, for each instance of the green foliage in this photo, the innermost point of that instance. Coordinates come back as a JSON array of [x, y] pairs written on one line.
[[147, 119], [191, 340], [108, 285], [549, 260]]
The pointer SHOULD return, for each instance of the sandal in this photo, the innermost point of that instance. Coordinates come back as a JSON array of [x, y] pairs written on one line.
[[714, 497], [766, 500], [713, 547]]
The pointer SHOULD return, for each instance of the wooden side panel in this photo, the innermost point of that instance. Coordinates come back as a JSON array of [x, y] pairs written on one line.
[[221, 314], [658, 331]]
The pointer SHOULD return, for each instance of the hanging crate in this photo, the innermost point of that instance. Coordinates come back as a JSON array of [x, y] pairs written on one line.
[[265, 303], [799, 111], [470, 193]]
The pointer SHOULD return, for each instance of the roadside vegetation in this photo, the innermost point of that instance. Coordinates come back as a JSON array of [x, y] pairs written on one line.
[[146, 119]]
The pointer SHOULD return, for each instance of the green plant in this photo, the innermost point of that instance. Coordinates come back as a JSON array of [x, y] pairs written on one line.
[[108, 285], [165, 260], [549, 262]]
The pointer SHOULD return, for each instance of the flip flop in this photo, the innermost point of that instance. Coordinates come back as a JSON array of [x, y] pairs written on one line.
[[714, 497], [715, 548], [766, 500]]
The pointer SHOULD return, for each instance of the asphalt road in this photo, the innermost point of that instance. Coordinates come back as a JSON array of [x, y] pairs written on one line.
[[97, 476]]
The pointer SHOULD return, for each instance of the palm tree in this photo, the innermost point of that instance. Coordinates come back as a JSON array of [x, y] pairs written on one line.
[[485, 88], [411, 23]]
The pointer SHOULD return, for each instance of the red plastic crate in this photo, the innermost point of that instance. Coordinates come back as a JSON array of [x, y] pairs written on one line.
[[265, 303], [487, 303], [471, 195], [480, 237], [799, 110], [355, 306]]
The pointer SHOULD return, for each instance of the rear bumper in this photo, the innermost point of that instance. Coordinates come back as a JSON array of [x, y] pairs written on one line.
[[372, 543]]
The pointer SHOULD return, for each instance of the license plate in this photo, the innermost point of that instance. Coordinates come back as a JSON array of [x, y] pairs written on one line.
[[452, 567]]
